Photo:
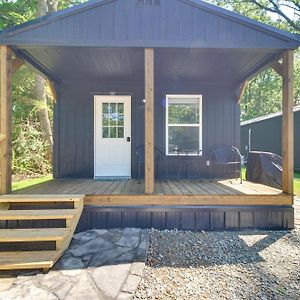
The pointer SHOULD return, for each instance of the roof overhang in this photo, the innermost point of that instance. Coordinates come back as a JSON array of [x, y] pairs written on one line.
[[104, 40]]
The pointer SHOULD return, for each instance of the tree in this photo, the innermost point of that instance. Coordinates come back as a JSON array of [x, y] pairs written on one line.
[[278, 6], [42, 9], [30, 148], [274, 12], [263, 93]]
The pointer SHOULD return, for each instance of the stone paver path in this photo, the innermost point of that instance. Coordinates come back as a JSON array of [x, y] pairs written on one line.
[[99, 264]]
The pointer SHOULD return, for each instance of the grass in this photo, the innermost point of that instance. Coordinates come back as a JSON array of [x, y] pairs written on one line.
[[297, 184], [29, 182]]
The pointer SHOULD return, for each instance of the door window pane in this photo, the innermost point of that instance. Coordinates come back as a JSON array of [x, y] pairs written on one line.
[[121, 108], [105, 108], [120, 132], [113, 132], [105, 132], [113, 108], [183, 138], [114, 119], [120, 120], [105, 120]]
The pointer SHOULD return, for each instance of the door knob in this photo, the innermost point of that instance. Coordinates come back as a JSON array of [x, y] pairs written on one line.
[[128, 139]]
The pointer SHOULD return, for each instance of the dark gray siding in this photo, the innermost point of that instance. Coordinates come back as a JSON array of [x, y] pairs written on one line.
[[267, 136], [174, 23], [193, 218], [74, 122]]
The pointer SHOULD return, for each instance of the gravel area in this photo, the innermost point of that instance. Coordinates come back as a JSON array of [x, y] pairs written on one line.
[[222, 265]]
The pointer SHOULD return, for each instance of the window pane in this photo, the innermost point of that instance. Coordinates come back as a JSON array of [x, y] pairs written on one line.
[[105, 108], [113, 132], [120, 120], [114, 119], [113, 108], [105, 120], [105, 132], [121, 108], [183, 111], [183, 138], [120, 132]]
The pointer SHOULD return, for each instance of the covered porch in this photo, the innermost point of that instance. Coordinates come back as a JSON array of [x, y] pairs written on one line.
[[152, 67]]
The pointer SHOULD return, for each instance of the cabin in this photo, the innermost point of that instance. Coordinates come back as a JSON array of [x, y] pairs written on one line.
[[157, 75], [264, 134]]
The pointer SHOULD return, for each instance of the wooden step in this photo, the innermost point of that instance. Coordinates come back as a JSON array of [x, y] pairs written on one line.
[[49, 214], [28, 259], [33, 235], [39, 198]]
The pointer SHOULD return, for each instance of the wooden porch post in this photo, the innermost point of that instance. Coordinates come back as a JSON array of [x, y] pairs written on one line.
[[287, 123], [5, 118], [149, 121]]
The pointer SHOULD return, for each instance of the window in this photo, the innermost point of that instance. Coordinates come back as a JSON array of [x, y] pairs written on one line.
[[183, 124], [112, 120]]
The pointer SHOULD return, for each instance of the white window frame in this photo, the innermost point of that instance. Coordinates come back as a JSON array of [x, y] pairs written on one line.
[[184, 96]]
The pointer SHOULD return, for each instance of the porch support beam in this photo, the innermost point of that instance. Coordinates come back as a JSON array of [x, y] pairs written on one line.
[[149, 121], [5, 118], [287, 123]]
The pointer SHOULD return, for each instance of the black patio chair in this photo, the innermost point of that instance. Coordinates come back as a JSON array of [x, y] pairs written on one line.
[[226, 156], [158, 157]]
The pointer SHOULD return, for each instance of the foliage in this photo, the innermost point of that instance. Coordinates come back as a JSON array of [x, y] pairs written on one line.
[[283, 14], [16, 12], [29, 151], [263, 93], [29, 148]]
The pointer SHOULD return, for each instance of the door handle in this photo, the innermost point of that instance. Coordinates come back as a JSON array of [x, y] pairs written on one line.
[[128, 139]]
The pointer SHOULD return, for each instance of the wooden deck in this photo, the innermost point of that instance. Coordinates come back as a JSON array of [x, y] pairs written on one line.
[[170, 192], [132, 187], [182, 204]]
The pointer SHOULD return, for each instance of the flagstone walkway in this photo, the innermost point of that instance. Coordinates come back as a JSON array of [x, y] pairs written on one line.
[[99, 264]]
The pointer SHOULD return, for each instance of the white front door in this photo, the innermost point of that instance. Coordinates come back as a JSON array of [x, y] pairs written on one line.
[[112, 136]]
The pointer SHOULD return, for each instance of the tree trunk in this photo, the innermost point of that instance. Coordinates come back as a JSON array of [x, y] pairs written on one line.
[[52, 5], [41, 95]]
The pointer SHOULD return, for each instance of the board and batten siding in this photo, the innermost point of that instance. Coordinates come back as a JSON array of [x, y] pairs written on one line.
[[74, 123], [172, 23]]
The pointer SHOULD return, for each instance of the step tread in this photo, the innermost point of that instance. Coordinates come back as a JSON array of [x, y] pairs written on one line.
[[50, 214], [40, 198], [32, 235], [28, 259]]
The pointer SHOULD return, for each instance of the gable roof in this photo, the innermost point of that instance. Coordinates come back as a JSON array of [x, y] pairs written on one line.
[[267, 117], [126, 23]]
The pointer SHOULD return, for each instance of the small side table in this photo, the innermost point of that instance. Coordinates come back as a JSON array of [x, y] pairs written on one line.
[[185, 160]]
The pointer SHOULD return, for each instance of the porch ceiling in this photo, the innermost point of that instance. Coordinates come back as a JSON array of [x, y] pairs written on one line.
[[225, 66]]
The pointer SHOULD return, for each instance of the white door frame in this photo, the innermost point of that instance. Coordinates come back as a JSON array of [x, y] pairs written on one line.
[[127, 130]]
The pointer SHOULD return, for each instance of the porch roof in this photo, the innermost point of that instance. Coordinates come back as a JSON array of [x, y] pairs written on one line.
[[211, 44]]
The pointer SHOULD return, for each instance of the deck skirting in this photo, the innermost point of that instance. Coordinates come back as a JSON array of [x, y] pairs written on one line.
[[195, 218]]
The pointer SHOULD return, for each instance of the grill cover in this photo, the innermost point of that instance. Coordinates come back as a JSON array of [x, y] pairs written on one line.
[[264, 168]]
